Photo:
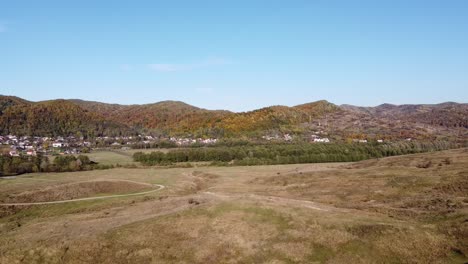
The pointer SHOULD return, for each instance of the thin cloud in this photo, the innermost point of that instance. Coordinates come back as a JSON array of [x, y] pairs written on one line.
[[175, 67]]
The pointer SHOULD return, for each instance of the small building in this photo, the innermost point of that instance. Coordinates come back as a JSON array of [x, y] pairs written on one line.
[[57, 144], [322, 140], [13, 153]]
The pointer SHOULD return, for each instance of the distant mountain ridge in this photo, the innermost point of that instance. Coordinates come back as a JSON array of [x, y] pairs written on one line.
[[88, 118], [447, 114]]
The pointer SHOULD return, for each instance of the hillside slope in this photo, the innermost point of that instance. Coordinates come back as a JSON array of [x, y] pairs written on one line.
[[64, 117], [56, 118], [442, 121], [166, 116], [281, 118]]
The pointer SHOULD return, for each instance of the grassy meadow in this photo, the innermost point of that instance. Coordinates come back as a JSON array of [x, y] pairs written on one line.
[[403, 209], [118, 156]]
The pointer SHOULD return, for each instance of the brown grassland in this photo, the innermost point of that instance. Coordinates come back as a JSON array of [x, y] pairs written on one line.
[[405, 209]]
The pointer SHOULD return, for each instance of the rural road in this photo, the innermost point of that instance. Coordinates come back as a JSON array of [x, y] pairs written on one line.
[[160, 187]]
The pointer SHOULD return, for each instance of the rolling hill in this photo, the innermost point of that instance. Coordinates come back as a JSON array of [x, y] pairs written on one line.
[[441, 121], [64, 117], [166, 116], [54, 118]]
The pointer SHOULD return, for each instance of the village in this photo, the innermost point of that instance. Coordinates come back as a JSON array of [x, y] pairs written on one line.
[[32, 145], [315, 137], [16, 145]]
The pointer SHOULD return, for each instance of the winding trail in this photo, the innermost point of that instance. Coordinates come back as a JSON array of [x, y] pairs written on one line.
[[160, 187]]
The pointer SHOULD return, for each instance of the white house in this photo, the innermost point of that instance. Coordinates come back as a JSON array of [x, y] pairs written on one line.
[[322, 140], [13, 153], [57, 144]]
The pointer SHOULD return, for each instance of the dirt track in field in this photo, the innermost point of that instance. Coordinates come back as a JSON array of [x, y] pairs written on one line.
[[86, 188]]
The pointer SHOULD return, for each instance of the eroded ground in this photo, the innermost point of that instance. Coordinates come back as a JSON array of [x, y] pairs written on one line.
[[408, 209]]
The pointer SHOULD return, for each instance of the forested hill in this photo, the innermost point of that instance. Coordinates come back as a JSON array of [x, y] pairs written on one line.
[[54, 118], [8, 101], [78, 117], [447, 114], [166, 116]]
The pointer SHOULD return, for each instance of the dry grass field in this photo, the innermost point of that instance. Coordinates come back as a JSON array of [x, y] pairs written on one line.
[[118, 156], [406, 209]]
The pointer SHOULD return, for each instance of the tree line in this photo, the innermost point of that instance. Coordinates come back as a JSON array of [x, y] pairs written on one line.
[[27, 164], [287, 153]]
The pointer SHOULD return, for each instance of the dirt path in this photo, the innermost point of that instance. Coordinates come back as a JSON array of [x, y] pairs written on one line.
[[160, 187], [282, 201], [90, 224]]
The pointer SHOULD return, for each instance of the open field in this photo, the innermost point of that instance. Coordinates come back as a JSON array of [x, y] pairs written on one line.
[[405, 209], [118, 156]]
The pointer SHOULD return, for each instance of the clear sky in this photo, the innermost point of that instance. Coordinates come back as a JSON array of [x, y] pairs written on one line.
[[236, 55]]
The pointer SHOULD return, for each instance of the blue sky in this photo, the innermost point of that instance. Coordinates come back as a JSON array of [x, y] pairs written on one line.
[[237, 55]]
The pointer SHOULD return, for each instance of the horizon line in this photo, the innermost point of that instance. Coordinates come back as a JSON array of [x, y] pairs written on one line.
[[262, 107]]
